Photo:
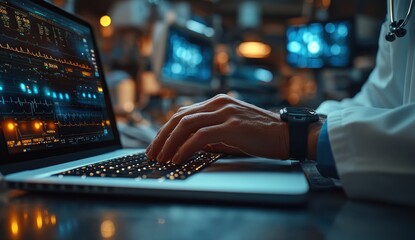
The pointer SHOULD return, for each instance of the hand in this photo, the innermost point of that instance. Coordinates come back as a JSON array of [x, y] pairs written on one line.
[[221, 124]]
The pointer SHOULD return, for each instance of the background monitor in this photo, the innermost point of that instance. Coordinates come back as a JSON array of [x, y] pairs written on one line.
[[253, 83], [320, 45], [251, 77], [188, 61]]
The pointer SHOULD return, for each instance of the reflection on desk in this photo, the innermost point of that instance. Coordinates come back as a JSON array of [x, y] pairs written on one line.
[[328, 215]]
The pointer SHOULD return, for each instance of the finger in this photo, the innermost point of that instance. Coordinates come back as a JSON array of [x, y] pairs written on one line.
[[188, 125], [148, 151], [154, 148], [166, 130], [206, 106], [240, 134], [203, 137]]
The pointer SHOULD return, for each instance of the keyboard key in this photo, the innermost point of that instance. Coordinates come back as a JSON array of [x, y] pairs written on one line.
[[138, 166]]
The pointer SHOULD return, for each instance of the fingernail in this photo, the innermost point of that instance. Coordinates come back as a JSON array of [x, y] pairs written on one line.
[[176, 159], [160, 157], [148, 150], [149, 153]]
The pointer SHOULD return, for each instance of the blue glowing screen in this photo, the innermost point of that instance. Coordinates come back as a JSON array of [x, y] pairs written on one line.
[[319, 45], [189, 58], [51, 91]]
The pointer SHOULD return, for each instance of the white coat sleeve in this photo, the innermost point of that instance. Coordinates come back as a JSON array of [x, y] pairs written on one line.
[[374, 152], [372, 135]]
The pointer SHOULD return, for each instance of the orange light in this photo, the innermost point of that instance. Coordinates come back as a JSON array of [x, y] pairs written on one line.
[[86, 74], [15, 227], [105, 21], [107, 229], [53, 219], [39, 221], [223, 57], [51, 125], [100, 89], [254, 50], [37, 125], [326, 3], [10, 126]]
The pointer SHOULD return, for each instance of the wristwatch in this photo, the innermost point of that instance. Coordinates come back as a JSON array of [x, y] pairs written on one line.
[[298, 119]]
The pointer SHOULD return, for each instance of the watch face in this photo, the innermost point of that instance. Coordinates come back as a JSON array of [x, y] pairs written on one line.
[[298, 114]]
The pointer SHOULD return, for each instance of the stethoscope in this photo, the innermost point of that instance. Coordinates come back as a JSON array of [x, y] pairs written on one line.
[[397, 28]]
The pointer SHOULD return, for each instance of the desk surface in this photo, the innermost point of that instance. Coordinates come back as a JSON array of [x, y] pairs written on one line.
[[328, 214]]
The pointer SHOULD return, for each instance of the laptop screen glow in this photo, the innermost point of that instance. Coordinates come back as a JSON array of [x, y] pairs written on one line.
[[51, 91]]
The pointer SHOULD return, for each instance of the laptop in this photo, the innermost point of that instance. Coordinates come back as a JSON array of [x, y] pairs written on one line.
[[58, 131]]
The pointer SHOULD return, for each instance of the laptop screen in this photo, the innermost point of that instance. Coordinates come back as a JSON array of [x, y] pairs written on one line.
[[51, 88]]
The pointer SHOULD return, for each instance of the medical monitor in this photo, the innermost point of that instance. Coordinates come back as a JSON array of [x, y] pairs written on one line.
[[188, 60], [52, 91], [251, 77], [320, 45]]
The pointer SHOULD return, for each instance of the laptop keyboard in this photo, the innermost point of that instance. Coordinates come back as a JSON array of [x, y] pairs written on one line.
[[139, 167]]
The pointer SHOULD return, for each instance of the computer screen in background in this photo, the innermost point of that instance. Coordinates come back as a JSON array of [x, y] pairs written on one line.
[[253, 83], [252, 73], [188, 61], [251, 77], [320, 45]]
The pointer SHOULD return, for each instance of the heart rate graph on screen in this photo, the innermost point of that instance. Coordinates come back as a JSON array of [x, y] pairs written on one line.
[[51, 92]]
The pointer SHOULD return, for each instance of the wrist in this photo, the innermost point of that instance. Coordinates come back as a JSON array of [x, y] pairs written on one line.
[[312, 139]]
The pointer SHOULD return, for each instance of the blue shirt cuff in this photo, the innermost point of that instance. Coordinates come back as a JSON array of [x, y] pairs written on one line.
[[325, 160]]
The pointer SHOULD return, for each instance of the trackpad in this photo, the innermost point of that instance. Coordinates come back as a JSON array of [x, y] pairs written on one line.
[[251, 164]]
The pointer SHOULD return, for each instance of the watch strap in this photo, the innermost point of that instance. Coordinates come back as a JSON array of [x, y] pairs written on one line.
[[298, 140]]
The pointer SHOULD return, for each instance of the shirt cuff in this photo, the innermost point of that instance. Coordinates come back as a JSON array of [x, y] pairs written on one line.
[[325, 160]]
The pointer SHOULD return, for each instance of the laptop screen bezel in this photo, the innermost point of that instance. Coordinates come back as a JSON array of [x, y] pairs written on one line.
[[7, 158]]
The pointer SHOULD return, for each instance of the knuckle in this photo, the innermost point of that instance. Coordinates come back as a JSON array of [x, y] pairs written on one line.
[[233, 122], [186, 120], [220, 95], [229, 109], [176, 117], [222, 99], [200, 134], [187, 124], [181, 109]]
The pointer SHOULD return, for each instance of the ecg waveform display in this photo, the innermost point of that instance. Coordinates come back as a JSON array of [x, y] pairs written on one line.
[[51, 93], [44, 56]]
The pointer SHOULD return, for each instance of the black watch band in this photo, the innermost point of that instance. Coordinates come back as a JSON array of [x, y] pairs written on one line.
[[298, 133], [298, 120]]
